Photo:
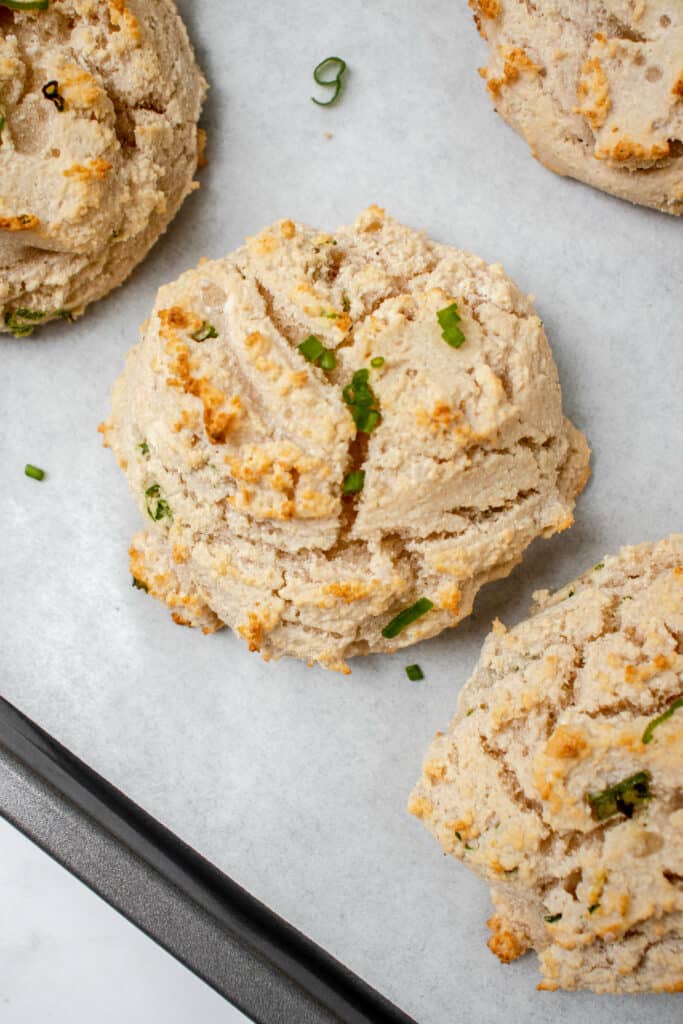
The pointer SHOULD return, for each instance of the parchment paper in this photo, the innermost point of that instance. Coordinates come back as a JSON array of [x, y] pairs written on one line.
[[294, 780]]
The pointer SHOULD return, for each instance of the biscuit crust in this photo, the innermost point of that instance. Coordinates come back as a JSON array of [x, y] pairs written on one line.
[[596, 89], [99, 102], [249, 443], [582, 696]]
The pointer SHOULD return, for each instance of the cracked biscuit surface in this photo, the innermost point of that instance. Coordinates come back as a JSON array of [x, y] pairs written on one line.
[[560, 779], [238, 447], [99, 102], [596, 89]]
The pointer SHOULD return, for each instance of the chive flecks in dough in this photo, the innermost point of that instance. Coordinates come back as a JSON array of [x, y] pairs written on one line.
[[144, 448], [313, 351], [25, 5], [51, 92], [334, 83], [600, 565], [593, 907], [2, 124], [552, 918], [622, 798], [328, 360], [407, 617], [354, 482], [449, 318], [22, 322], [649, 732], [414, 673], [362, 402], [34, 472], [157, 507], [205, 331], [377, 362]]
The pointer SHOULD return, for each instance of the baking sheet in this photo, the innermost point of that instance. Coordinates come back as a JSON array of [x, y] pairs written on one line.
[[293, 780]]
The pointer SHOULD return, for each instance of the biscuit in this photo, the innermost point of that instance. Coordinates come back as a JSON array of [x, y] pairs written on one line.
[[596, 89], [99, 102], [559, 779], [324, 458]]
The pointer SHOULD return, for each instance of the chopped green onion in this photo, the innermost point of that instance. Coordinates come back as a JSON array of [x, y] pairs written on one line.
[[362, 401], [377, 362], [354, 482], [407, 617], [593, 907], [139, 585], [622, 798], [346, 303], [65, 314], [157, 507], [25, 5], [334, 83], [600, 565], [144, 448], [205, 331], [470, 712], [449, 318], [552, 918], [328, 360], [51, 92], [313, 350], [16, 319], [34, 472], [365, 419], [458, 836], [414, 673], [647, 735], [2, 122]]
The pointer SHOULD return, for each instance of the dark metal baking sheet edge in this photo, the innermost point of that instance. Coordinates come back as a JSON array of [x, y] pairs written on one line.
[[252, 957]]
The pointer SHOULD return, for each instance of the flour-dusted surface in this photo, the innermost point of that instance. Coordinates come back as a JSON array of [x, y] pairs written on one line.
[[596, 89], [561, 710], [240, 451], [99, 102], [294, 780]]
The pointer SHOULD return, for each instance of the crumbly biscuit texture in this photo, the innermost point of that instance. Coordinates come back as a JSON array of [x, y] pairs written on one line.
[[247, 444], [596, 89], [99, 102], [522, 785]]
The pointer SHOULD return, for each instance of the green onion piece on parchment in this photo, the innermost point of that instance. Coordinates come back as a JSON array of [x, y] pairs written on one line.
[[622, 798], [335, 83], [407, 617], [34, 472], [414, 673], [377, 362], [648, 734], [449, 319]]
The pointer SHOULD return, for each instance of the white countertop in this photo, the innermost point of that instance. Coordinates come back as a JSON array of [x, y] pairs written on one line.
[[68, 958]]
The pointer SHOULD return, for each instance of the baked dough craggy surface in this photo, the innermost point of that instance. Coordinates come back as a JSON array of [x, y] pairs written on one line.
[[596, 89], [248, 444], [582, 697], [99, 102]]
